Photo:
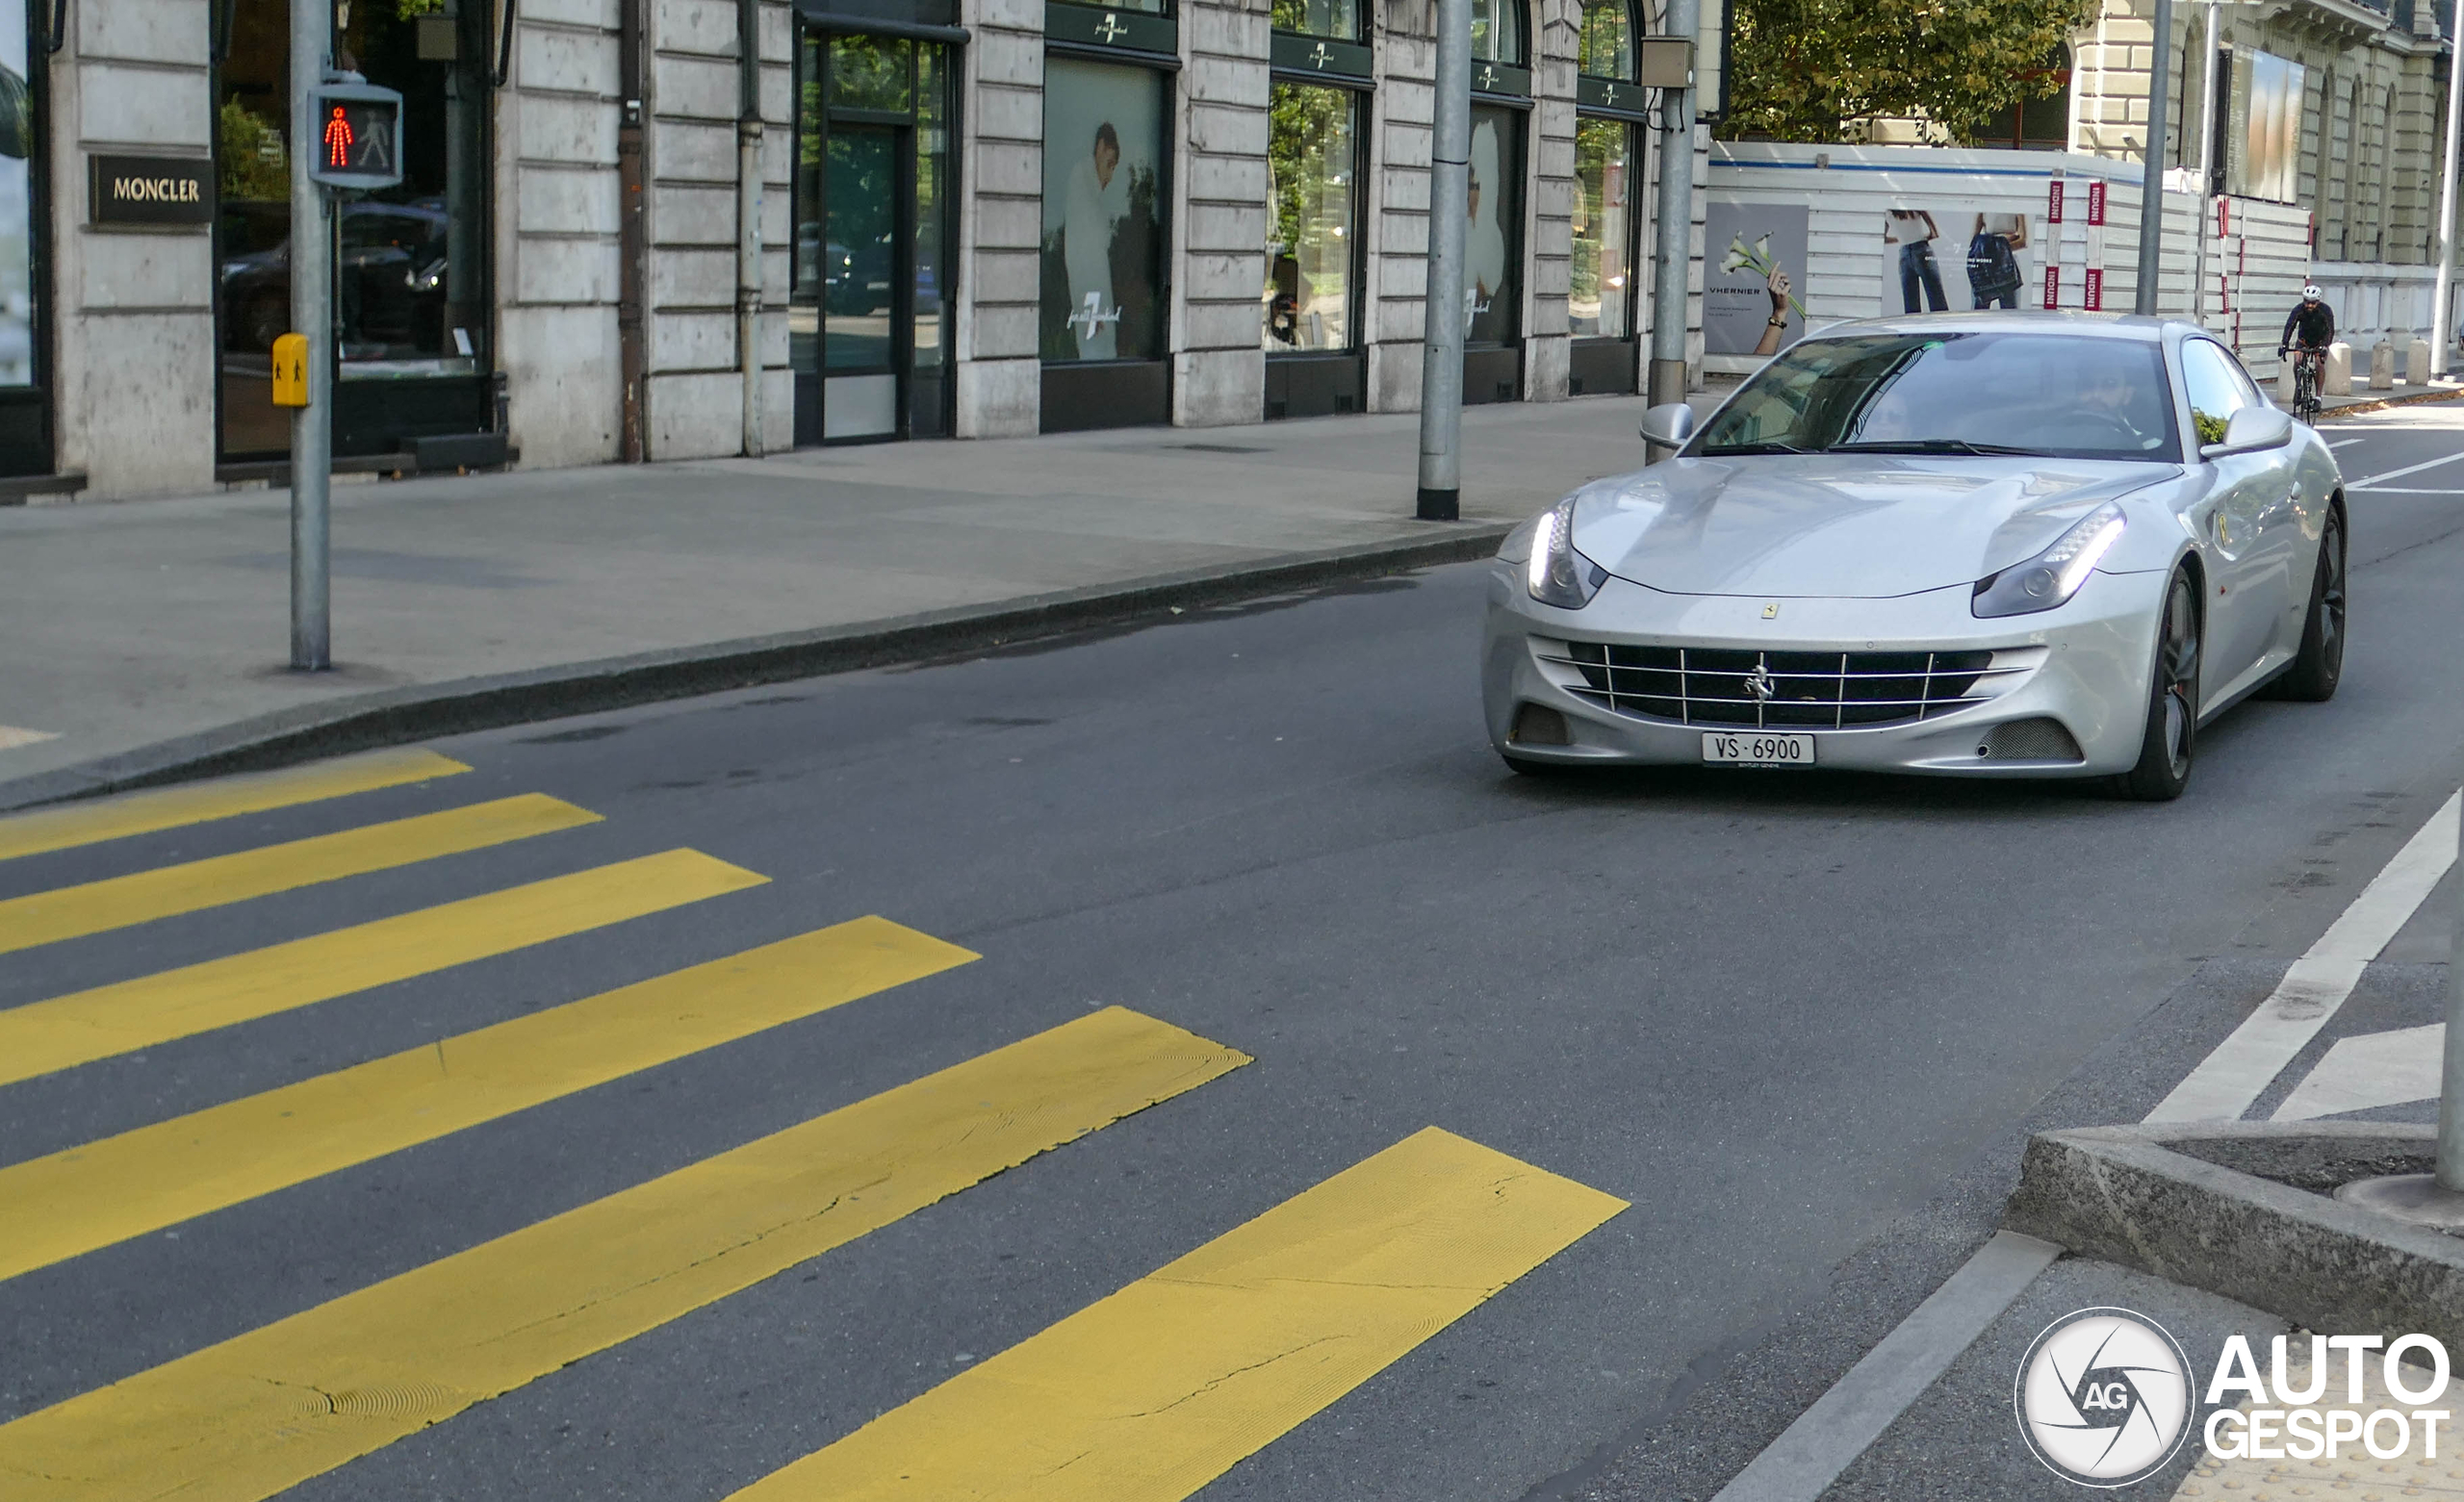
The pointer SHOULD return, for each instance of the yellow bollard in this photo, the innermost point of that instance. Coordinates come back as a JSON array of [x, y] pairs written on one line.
[[290, 370]]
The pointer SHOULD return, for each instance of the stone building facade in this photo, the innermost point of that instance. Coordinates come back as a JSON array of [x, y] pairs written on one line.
[[2337, 106], [934, 217]]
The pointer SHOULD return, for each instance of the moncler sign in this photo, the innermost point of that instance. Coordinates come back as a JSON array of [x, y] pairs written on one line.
[[150, 191]]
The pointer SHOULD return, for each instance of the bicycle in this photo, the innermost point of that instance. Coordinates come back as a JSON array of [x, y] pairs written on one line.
[[2309, 369]]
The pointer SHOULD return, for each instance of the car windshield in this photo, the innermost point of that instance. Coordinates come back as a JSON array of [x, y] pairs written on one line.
[[1954, 393]]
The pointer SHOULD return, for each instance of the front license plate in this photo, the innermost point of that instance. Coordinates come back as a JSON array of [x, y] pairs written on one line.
[[1758, 748]]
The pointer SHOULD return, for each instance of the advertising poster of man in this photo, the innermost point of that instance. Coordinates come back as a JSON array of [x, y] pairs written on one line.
[[1750, 301], [1954, 257], [1102, 232], [16, 204], [1492, 289]]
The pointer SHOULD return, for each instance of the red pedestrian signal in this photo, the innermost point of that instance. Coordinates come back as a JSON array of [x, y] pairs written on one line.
[[338, 140]]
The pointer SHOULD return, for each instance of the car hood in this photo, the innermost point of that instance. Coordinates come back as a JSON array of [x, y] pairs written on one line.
[[1859, 526]]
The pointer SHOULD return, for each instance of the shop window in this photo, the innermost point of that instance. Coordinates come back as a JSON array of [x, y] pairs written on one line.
[[1497, 32], [1606, 47], [1104, 163], [1336, 20], [25, 426], [411, 296], [1313, 167], [1601, 296]]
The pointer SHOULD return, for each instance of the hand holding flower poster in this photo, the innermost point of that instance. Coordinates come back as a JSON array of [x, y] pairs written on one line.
[[1750, 300]]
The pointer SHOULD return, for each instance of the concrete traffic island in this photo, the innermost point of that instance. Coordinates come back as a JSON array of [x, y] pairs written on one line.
[[2247, 1210]]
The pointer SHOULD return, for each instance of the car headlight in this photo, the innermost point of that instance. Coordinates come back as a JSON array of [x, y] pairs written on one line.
[[1555, 573], [2052, 576]]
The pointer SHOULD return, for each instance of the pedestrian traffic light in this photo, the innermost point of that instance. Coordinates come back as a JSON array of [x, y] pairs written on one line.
[[359, 136]]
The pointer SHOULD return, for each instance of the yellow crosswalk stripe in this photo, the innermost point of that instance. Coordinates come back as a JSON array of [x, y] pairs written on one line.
[[71, 1202], [169, 809], [1149, 1394], [73, 912], [263, 1411], [69, 1030]]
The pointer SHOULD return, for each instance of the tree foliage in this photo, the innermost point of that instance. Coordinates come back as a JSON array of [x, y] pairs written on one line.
[[1806, 69]]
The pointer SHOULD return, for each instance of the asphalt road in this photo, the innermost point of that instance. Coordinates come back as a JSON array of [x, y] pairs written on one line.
[[1798, 1022]]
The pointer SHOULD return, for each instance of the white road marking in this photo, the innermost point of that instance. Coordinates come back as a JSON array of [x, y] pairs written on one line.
[[2344, 443], [2401, 490], [11, 737], [2370, 1070], [1845, 1421], [2367, 480], [2228, 1079]]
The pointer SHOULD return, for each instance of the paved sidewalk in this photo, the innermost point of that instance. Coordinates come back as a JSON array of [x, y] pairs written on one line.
[[146, 634]]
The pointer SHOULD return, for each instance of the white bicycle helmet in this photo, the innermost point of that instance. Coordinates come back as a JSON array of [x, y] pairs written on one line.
[[2311, 293]]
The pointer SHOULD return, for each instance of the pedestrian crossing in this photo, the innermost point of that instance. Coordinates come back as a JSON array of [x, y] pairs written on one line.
[[1144, 1396]]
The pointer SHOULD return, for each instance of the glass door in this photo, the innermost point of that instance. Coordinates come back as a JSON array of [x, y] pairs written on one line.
[[859, 284], [868, 324]]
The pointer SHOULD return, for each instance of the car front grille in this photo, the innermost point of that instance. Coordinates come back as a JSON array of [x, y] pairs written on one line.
[[1819, 690]]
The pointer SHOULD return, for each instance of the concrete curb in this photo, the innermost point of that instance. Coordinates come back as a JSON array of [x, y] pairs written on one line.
[[2358, 408], [2187, 1202], [393, 716]]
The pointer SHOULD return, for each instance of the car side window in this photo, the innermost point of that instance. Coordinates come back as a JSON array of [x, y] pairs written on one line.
[[2214, 387]]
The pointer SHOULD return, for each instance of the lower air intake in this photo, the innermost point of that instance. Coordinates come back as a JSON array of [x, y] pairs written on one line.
[[2042, 739]]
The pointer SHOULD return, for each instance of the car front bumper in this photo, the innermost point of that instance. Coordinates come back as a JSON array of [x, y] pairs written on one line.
[[2092, 660]]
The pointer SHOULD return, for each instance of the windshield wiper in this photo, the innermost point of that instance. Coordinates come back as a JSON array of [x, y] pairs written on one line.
[[1932, 445], [1751, 448]]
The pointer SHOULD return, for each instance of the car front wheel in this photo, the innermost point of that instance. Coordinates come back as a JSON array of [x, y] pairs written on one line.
[[2171, 740]]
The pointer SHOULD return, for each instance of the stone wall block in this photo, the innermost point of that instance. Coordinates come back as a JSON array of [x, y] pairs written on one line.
[[702, 89], [690, 214], [555, 270], [570, 61], [1006, 332], [1228, 179], [145, 31], [692, 278], [1006, 114], [556, 129], [1227, 131], [1003, 166], [1212, 226], [565, 199], [142, 106], [703, 26]]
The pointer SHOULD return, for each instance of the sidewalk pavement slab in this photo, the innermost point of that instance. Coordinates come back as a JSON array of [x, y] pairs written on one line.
[[148, 639]]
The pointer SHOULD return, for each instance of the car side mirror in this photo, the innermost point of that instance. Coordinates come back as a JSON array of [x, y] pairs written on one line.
[[2253, 428], [1668, 426]]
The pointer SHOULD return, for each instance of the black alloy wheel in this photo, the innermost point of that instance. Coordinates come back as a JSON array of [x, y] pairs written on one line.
[[2320, 664], [2170, 742]]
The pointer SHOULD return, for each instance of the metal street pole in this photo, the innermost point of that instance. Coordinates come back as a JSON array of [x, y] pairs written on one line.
[[1450, 172], [2151, 192], [1672, 250], [2450, 1173], [2435, 1198], [311, 427], [2442, 307]]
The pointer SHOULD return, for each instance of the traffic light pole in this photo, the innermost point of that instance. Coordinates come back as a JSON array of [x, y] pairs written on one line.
[[312, 425], [1450, 169], [1673, 243], [2152, 184]]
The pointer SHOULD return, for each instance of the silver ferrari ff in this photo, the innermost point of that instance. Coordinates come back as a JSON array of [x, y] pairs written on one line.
[[1993, 545]]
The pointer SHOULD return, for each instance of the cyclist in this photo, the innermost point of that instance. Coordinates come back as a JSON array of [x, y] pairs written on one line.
[[2312, 326]]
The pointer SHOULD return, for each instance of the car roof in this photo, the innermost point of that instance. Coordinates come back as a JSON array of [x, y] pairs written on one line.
[[2061, 320]]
